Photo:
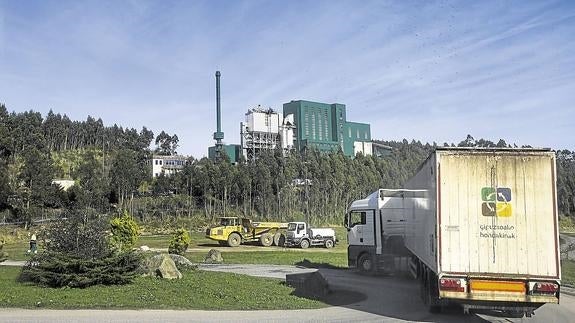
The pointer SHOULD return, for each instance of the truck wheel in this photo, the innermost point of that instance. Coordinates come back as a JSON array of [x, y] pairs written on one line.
[[266, 239], [277, 237], [329, 243], [432, 294], [304, 244], [365, 264], [281, 241], [234, 240]]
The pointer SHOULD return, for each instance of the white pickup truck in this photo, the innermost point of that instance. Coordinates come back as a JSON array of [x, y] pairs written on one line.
[[299, 234]]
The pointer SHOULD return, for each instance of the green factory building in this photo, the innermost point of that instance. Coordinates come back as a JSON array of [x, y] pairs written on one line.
[[232, 151], [325, 127]]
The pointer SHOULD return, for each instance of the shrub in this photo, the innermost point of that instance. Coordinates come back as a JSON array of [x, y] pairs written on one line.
[[80, 234], [78, 255], [124, 232], [180, 242], [56, 269]]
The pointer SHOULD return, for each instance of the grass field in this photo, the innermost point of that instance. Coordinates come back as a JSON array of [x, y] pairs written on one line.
[[568, 272], [196, 290]]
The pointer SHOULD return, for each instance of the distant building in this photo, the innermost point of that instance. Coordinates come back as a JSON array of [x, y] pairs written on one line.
[[325, 127], [167, 165], [64, 184], [232, 151], [265, 129]]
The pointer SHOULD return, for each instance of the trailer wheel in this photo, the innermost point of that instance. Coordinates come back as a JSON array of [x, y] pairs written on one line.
[[279, 239], [365, 264], [266, 239], [304, 244], [431, 292], [234, 240], [329, 243]]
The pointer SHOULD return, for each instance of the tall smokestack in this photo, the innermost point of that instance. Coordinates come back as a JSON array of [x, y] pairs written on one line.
[[218, 135]]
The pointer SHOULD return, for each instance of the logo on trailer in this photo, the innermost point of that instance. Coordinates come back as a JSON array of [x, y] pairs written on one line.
[[496, 201]]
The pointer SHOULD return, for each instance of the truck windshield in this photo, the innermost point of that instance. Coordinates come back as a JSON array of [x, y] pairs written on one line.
[[291, 226], [225, 222]]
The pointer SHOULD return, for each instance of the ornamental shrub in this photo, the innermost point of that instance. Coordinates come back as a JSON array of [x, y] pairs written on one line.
[[80, 233], [57, 269], [77, 254], [180, 242], [124, 232]]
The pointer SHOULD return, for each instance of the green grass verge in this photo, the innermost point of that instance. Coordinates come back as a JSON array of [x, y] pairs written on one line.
[[17, 250], [279, 257], [201, 290], [568, 272]]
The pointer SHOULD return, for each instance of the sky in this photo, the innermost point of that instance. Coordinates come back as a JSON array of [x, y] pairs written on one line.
[[432, 71]]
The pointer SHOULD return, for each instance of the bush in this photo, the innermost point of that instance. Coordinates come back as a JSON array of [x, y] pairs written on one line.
[[180, 242], [81, 234], [124, 231], [78, 255], [566, 224], [56, 269]]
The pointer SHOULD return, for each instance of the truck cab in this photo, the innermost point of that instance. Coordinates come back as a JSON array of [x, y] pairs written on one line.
[[376, 229]]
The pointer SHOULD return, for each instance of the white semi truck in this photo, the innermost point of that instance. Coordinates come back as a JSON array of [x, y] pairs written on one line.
[[299, 234], [479, 226]]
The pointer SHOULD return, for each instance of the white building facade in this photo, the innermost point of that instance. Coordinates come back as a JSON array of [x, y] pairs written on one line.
[[167, 165]]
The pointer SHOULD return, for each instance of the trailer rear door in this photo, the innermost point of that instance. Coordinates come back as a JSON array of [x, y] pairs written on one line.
[[497, 213]]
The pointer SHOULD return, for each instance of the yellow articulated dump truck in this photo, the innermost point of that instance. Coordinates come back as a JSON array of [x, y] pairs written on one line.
[[232, 231]]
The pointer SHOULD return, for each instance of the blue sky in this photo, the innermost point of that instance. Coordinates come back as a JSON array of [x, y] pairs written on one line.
[[423, 70]]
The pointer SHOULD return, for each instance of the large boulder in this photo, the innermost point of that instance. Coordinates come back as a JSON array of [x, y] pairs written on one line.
[[182, 262], [161, 266], [214, 257]]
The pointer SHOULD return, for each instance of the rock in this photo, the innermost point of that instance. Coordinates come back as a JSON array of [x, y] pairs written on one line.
[[168, 269], [312, 285], [182, 262], [214, 257], [162, 266], [144, 248]]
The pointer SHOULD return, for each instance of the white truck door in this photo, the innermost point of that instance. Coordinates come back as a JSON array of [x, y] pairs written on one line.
[[362, 227]]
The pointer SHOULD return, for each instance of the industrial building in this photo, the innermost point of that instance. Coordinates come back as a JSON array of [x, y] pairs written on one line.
[[325, 127], [265, 129], [304, 125]]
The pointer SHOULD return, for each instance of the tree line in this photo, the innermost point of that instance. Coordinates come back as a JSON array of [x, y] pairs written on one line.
[[112, 172]]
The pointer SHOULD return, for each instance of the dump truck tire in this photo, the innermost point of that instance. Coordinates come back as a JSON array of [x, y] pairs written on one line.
[[277, 237], [234, 240], [282, 240], [304, 244], [266, 239]]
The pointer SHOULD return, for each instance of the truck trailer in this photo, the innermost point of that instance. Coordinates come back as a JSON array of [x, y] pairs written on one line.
[[479, 228], [233, 231]]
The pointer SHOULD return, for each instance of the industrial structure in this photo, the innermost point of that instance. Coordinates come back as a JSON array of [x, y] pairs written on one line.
[[304, 125], [265, 129], [325, 127], [217, 151]]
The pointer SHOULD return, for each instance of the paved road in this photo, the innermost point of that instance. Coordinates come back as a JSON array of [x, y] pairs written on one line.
[[389, 299]]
